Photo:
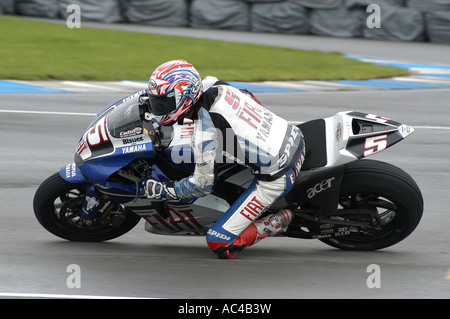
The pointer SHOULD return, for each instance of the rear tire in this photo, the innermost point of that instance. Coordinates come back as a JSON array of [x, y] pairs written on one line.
[[55, 192], [386, 190]]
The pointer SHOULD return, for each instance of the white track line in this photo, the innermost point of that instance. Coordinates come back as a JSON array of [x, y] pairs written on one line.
[[432, 127], [47, 112], [426, 127], [95, 86]]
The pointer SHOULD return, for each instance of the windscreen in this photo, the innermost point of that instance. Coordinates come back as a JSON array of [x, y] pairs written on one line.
[[125, 120]]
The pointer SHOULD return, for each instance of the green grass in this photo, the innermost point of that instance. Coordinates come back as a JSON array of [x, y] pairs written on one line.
[[31, 50]]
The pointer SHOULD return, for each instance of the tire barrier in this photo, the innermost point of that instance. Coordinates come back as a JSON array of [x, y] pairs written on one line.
[[400, 20]]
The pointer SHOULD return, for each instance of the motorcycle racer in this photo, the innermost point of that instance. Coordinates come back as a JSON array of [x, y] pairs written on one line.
[[229, 124]]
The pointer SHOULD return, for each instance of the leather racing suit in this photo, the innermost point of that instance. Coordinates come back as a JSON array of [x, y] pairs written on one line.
[[231, 125]]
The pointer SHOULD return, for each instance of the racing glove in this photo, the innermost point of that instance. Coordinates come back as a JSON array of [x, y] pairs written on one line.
[[157, 190]]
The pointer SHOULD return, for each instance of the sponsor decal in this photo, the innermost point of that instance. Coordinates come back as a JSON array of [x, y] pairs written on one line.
[[132, 140], [134, 148], [339, 131], [405, 130], [252, 209], [71, 170], [297, 167], [128, 98], [218, 235], [266, 125], [295, 132], [251, 115], [136, 131], [180, 218], [81, 147], [186, 130], [320, 187]]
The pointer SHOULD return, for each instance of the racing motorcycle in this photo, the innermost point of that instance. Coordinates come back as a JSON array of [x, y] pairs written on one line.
[[341, 198]]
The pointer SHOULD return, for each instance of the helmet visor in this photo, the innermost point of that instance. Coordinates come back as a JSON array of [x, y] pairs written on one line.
[[163, 104]]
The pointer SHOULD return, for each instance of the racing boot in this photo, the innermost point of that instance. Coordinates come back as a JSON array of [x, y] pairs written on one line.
[[273, 225]]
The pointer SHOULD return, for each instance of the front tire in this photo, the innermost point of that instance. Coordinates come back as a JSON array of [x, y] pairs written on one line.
[[57, 206], [385, 190]]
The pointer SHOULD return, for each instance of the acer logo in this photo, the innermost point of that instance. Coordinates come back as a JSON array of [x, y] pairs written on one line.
[[319, 187]]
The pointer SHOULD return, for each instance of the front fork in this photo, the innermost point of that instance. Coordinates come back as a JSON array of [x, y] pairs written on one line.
[[93, 201]]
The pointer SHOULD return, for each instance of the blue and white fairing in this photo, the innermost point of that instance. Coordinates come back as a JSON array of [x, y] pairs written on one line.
[[114, 139]]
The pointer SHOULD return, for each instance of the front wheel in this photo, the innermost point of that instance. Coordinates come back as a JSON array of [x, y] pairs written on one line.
[[391, 197], [57, 206]]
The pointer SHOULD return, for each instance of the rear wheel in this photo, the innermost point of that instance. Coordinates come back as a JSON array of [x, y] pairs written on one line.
[[383, 195], [57, 206]]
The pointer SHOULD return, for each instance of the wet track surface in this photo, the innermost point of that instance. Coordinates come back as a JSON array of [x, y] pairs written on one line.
[[138, 264]]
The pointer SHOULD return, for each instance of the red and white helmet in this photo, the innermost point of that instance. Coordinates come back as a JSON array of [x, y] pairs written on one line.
[[174, 87]]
